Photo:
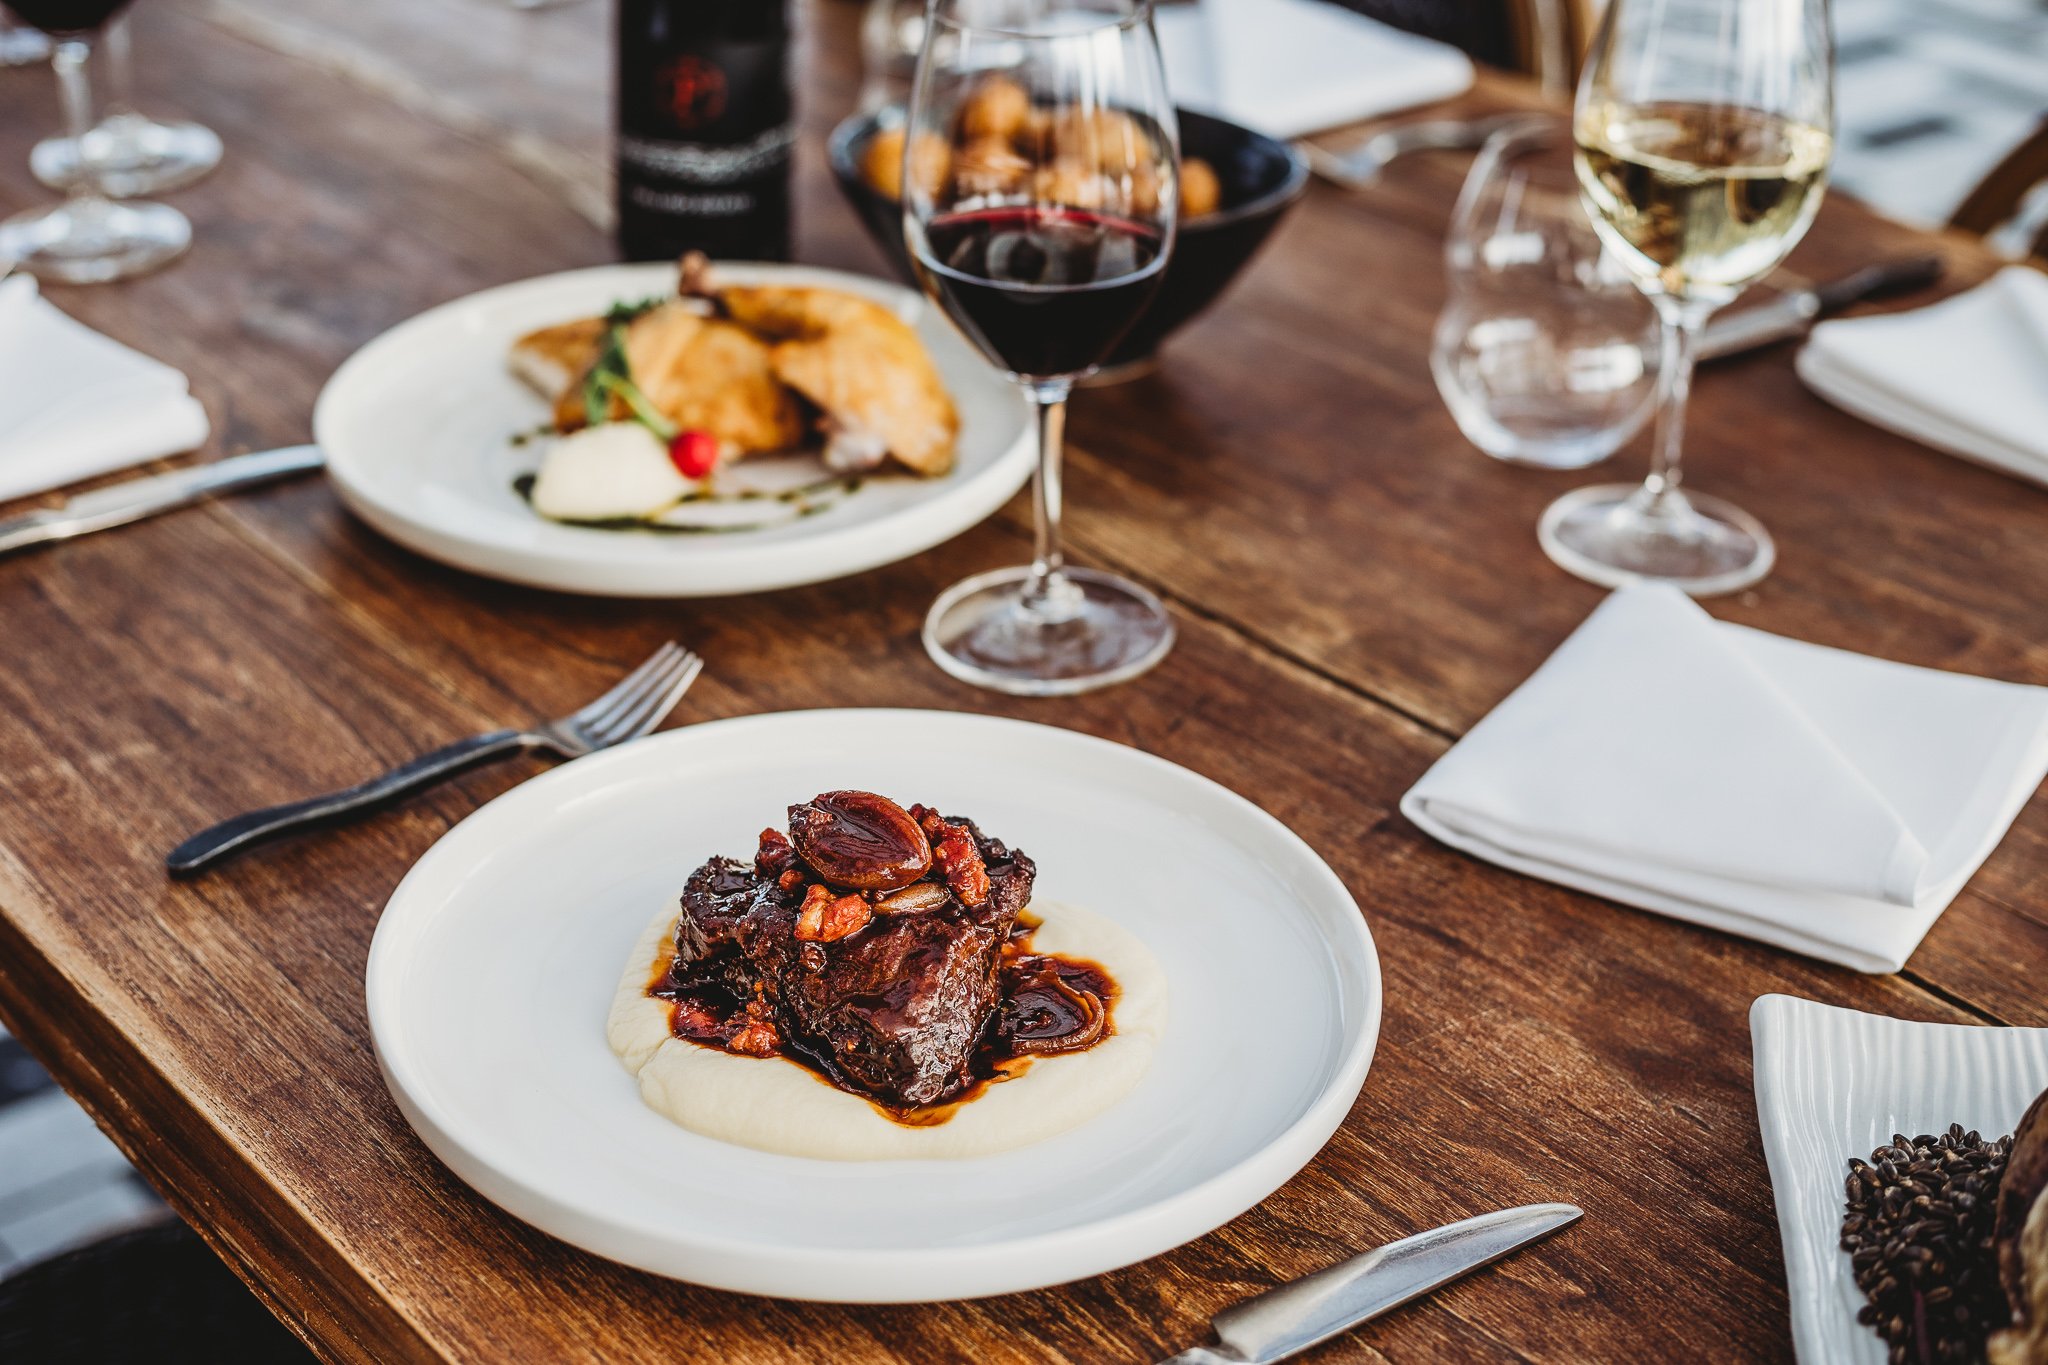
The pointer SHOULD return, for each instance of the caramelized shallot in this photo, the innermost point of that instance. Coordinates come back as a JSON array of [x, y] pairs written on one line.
[[860, 841], [914, 899], [1045, 1015]]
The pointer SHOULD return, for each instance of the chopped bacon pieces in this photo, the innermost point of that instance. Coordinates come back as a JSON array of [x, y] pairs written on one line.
[[758, 1036], [956, 856], [825, 918], [775, 854]]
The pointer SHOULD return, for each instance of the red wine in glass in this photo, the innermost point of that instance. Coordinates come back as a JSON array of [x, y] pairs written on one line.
[[66, 16], [1043, 291]]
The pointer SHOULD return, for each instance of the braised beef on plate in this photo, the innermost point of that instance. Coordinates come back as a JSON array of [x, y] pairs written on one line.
[[883, 947]]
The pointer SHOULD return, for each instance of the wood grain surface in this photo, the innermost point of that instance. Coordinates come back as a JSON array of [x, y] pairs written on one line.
[[1355, 586]]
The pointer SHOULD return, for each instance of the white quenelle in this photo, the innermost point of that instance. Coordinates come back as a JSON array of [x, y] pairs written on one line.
[[606, 472], [776, 1105]]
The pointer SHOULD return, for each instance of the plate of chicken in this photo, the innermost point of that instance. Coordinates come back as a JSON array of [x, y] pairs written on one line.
[[654, 430]]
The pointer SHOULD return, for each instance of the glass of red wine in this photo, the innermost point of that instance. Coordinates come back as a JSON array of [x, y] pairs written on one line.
[[1041, 191], [89, 238]]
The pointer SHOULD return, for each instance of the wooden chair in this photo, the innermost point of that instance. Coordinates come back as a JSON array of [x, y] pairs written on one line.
[[2009, 207]]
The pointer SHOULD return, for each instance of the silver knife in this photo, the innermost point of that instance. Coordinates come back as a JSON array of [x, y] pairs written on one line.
[[1281, 1322], [137, 498], [1790, 315]]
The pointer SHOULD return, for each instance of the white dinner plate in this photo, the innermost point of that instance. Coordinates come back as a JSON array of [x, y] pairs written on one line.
[[418, 431], [494, 965], [1833, 1083]]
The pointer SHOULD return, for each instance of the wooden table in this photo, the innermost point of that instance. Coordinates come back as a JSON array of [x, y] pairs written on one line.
[[1354, 586]]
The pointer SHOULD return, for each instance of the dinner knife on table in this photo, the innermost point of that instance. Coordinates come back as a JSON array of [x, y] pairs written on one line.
[[1792, 314], [1309, 1311], [118, 504]]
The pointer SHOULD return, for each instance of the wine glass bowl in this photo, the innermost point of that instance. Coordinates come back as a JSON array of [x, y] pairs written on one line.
[[1704, 132], [1259, 180], [1545, 351], [1043, 236]]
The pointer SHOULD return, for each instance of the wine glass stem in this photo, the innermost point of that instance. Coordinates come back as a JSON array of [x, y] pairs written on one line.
[[1679, 323], [1048, 590], [119, 67], [69, 58]]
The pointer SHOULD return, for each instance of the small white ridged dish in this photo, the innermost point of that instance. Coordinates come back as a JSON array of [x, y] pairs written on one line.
[[1834, 1083]]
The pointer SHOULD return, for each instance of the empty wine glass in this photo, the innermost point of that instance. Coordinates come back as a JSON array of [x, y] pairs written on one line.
[[1704, 133], [132, 153], [1043, 238], [1545, 352], [89, 238]]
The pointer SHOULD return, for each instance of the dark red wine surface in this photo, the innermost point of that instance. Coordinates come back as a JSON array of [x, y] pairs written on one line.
[[1044, 292]]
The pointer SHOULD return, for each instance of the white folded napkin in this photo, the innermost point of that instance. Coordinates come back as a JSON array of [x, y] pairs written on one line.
[[1823, 801], [1289, 67], [74, 403], [1968, 375]]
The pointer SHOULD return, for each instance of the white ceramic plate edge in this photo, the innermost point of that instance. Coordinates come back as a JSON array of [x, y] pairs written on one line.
[[875, 1276]]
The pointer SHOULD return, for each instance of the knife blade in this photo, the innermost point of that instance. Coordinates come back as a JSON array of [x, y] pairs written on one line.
[[1279, 1323], [135, 499], [1791, 314]]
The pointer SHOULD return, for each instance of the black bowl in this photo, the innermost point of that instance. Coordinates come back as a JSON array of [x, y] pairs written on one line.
[[1261, 178]]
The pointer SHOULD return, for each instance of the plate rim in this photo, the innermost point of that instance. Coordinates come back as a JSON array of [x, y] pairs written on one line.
[[834, 553], [868, 1275]]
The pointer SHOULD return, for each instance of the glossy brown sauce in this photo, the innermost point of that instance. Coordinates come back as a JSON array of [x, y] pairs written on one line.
[[1036, 1018]]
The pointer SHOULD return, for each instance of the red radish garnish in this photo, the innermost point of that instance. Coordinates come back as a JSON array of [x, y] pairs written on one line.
[[694, 453]]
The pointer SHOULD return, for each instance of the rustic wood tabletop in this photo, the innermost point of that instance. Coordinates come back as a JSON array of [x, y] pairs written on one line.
[[1354, 585]]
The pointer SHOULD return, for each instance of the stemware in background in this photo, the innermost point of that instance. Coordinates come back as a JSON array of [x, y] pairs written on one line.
[[891, 36], [20, 45], [1545, 352], [89, 238], [132, 153], [1704, 131], [1043, 243]]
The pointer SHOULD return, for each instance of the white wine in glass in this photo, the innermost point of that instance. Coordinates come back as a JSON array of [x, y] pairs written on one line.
[[1704, 134]]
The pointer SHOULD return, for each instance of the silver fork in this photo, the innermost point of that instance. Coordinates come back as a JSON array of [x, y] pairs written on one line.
[[631, 709], [1359, 166]]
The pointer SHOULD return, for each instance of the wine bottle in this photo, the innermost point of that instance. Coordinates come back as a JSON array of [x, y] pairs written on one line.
[[704, 128]]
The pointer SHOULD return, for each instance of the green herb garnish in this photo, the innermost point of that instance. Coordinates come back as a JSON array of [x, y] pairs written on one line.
[[611, 376]]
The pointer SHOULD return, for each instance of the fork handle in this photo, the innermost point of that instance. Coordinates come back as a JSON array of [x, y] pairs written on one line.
[[230, 837]]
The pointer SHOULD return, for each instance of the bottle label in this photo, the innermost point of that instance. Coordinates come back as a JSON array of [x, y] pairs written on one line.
[[697, 163]]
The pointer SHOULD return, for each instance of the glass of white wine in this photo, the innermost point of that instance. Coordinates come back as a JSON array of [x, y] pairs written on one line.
[[1704, 129]]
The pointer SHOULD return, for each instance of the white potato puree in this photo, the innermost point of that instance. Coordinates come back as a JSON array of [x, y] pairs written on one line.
[[776, 1105]]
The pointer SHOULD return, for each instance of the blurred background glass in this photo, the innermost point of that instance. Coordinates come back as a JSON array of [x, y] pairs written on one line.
[[20, 45], [1545, 351], [131, 153]]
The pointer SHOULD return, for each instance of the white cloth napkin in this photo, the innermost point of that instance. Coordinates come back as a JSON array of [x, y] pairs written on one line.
[[1289, 67], [1968, 375], [74, 403], [1823, 801]]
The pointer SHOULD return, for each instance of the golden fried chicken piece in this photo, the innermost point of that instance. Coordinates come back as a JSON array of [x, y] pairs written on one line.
[[863, 366], [701, 373], [706, 374], [554, 359]]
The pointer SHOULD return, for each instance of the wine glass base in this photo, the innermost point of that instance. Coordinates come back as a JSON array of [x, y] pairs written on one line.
[[1613, 534], [134, 156], [93, 241], [1100, 629]]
